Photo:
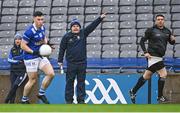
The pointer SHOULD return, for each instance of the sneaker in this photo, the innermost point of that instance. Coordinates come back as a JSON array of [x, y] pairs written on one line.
[[162, 99], [43, 99], [25, 102], [133, 96]]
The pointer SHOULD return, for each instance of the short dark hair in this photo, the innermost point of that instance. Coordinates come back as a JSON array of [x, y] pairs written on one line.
[[38, 13], [159, 15]]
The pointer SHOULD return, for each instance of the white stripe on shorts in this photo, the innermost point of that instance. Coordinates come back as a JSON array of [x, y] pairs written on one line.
[[154, 60]]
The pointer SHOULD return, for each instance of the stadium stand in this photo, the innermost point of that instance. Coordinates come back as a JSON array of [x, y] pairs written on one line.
[[117, 38]]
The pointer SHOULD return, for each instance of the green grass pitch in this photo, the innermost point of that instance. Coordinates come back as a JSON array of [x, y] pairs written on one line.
[[90, 108]]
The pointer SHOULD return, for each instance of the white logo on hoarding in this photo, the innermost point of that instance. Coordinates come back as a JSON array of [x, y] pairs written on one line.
[[105, 92]]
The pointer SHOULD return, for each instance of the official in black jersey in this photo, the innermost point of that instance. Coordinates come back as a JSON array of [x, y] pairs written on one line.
[[157, 36]]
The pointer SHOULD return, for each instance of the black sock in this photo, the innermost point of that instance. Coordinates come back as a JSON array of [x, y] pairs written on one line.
[[10, 97], [139, 84], [161, 83]]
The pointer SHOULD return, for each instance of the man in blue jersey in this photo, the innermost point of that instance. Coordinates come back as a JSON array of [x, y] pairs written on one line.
[[33, 38], [74, 44]]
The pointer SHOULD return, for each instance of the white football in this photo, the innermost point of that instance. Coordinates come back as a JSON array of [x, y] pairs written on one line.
[[45, 50]]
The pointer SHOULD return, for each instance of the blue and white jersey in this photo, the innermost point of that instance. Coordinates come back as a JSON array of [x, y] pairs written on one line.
[[34, 38], [15, 55]]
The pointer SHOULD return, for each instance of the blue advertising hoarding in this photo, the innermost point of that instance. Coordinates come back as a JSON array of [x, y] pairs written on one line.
[[104, 89]]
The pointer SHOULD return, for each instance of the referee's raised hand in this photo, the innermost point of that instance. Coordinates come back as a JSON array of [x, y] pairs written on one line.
[[103, 15]]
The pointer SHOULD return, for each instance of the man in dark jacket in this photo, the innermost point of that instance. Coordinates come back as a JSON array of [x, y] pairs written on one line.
[[74, 44], [158, 36], [17, 69]]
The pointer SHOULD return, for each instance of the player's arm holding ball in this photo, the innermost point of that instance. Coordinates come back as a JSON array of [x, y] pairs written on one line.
[[24, 45], [45, 40]]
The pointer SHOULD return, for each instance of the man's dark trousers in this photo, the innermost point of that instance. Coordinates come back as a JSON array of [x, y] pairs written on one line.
[[75, 70]]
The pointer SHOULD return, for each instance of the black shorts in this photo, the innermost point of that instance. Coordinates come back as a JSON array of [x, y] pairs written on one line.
[[18, 77], [157, 66]]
